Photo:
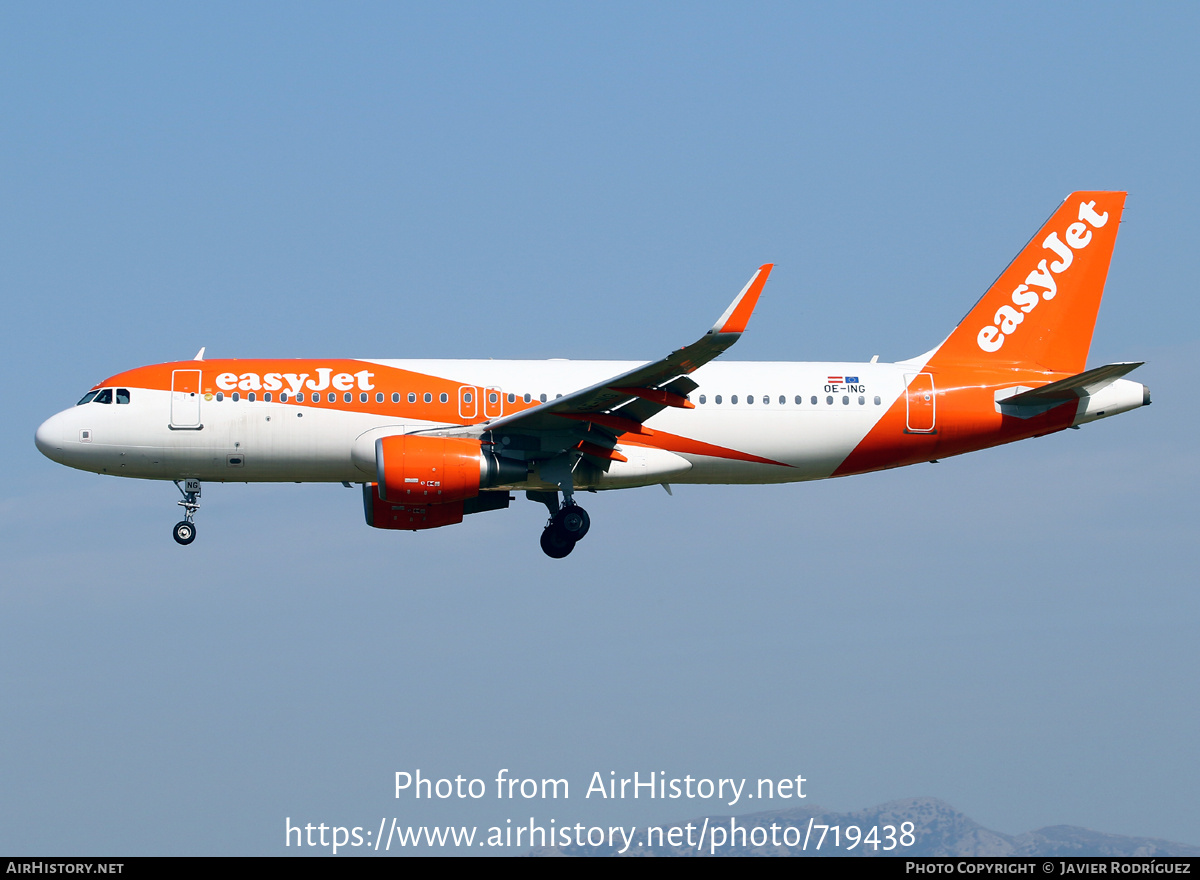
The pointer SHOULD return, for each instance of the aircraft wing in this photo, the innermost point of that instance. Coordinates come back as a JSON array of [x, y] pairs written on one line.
[[632, 397]]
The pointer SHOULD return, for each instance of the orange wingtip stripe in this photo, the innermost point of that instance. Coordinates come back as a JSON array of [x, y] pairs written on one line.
[[745, 308], [657, 395]]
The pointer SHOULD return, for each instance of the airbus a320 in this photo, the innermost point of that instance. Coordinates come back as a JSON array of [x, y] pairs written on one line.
[[433, 441]]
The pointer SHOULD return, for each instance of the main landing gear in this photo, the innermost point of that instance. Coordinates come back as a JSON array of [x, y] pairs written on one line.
[[185, 529], [568, 524]]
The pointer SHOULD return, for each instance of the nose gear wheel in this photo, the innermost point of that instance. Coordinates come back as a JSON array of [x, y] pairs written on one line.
[[185, 530]]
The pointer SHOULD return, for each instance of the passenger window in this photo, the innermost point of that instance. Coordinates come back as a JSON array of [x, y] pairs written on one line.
[[104, 396], [267, 397], [235, 397], [814, 400], [443, 397], [512, 398], [783, 400], [749, 398], [283, 397], [703, 399], [718, 398], [428, 397], [799, 400], [493, 397], [877, 400], [332, 397], [251, 397], [467, 397], [348, 397], [122, 395], [299, 397], [829, 400], [766, 398], [845, 399], [220, 396], [543, 398], [528, 397], [395, 397], [87, 398], [412, 397], [378, 397], [861, 400]]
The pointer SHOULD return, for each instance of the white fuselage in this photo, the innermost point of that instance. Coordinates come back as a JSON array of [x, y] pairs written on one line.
[[789, 413]]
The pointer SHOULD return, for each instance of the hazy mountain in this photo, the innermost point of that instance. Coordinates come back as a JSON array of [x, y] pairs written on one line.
[[939, 830]]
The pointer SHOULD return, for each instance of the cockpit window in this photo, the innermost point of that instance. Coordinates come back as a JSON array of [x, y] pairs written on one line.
[[122, 395], [104, 396], [87, 398]]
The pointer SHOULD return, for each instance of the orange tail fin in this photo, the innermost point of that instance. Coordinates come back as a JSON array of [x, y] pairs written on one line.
[[1042, 308]]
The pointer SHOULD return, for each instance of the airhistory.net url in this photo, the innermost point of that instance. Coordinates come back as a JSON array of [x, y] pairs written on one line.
[[711, 837]]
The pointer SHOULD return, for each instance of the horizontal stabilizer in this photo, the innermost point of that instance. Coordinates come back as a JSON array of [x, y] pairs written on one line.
[[1071, 388]]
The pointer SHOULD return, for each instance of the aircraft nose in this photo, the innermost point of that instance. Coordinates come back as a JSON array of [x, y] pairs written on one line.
[[49, 438]]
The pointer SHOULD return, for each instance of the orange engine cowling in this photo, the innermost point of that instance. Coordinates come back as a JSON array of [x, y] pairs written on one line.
[[415, 516], [383, 514], [427, 470], [411, 468]]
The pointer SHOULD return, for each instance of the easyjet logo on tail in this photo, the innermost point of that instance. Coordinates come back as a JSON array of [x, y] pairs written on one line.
[[1040, 284]]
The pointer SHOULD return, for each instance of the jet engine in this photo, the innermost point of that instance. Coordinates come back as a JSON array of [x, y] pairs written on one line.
[[436, 470], [412, 516], [428, 482]]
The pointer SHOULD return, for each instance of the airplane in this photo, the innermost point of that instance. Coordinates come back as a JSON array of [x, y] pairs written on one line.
[[432, 441]]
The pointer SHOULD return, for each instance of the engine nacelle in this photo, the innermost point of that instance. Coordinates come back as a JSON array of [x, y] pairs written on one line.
[[411, 468], [381, 514]]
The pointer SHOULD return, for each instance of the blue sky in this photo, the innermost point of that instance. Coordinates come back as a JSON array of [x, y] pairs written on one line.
[[1012, 631]]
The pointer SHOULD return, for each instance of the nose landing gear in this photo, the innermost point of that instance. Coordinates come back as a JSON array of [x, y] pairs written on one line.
[[185, 530]]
